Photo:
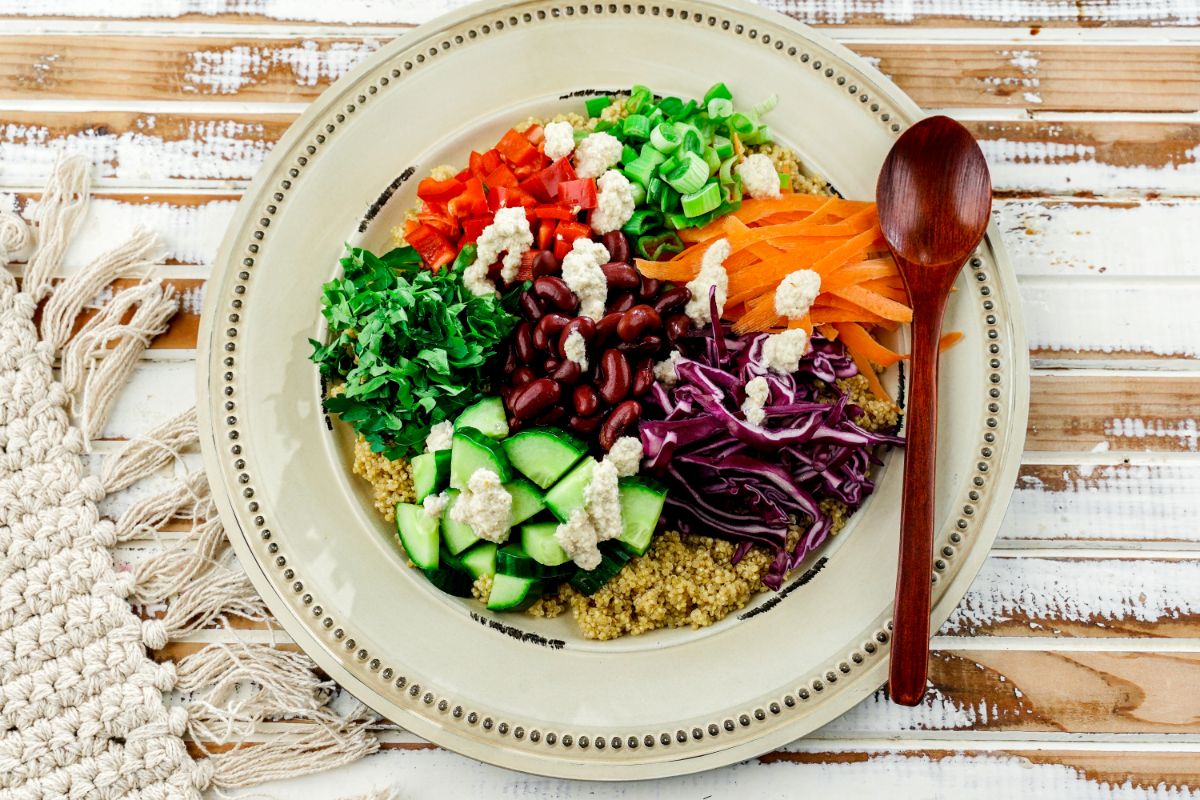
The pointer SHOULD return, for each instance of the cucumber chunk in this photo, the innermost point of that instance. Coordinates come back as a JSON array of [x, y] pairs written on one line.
[[418, 533], [567, 496], [472, 450], [480, 560], [431, 473], [486, 416], [513, 560], [611, 562], [457, 536], [512, 593], [537, 539], [641, 505], [451, 581], [527, 500], [544, 454]]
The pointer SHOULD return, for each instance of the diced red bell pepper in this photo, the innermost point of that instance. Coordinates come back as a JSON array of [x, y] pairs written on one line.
[[435, 191], [535, 134], [434, 248], [570, 231], [501, 176], [504, 197], [483, 164], [492, 159], [472, 202], [516, 149], [545, 234], [472, 227], [580, 193], [554, 213], [561, 248], [475, 165], [463, 176], [446, 225], [544, 184]]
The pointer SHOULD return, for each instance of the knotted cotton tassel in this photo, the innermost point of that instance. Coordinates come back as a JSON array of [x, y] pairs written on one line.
[[58, 212], [185, 498], [149, 453], [15, 236], [80, 288], [95, 373], [211, 597], [172, 571]]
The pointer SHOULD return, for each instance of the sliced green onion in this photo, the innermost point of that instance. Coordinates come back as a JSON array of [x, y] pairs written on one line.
[[718, 90], [712, 159], [702, 201], [655, 116], [602, 126], [640, 170], [636, 126], [660, 246], [652, 153], [785, 181], [741, 124], [760, 135], [669, 200], [732, 192], [767, 105], [723, 146], [670, 164], [690, 175], [670, 106], [638, 193], [719, 108], [686, 111], [643, 221], [654, 191], [628, 154], [692, 143], [725, 173], [594, 105], [666, 137], [640, 98]]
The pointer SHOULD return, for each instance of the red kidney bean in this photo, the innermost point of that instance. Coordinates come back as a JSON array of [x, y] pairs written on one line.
[[530, 308], [637, 321], [586, 326], [522, 376], [617, 245], [647, 346], [544, 263], [643, 377], [650, 288], [678, 325], [585, 426], [614, 384], [554, 293], [510, 360], [617, 421], [523, 342], [534, 397], [606, 328], [621, 276], [585, 400], [547, 330], [506, 393], [623, 301], [551, 364], [514, 425], [550, 416], [673, 300], [568, 373]]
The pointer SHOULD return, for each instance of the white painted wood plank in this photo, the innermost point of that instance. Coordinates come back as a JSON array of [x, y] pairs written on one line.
[[438, 774]]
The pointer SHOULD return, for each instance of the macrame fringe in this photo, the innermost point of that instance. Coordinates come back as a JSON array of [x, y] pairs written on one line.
[[230, 692]]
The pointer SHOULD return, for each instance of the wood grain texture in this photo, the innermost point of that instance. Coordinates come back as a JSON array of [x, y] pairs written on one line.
[[1117, 77]]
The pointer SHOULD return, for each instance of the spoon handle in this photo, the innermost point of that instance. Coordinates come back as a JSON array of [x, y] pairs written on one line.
[[910, 636]]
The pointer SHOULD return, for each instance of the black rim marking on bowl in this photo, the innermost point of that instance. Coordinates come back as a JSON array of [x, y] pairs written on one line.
[[384, 197], [513, 632], [237, 284], [777, 598]]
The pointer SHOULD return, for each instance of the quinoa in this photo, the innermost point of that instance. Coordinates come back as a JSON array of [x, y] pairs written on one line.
[[788, 163], [878, 414], [481, 588], [391, 481]]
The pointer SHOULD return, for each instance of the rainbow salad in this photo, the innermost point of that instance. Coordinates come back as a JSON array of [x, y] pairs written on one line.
[[622, 362]]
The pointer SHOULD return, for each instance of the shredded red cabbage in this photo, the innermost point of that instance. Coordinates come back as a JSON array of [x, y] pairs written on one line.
[[746, 482]]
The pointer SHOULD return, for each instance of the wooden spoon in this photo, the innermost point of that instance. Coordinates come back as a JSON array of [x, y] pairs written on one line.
[[935, 197]]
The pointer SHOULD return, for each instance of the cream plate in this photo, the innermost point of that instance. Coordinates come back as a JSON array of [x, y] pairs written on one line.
[[503, 688]]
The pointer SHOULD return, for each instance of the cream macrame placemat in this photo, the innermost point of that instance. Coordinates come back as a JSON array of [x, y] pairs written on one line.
[[86, 711]]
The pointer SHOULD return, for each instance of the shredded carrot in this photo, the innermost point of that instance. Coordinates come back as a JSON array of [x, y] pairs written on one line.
[[758, 317], [875, 303], [948, 340], [867, 371], [856, 338], [829, 332]]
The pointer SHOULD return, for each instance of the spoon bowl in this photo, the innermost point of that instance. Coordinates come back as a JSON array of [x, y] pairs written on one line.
[[934, 197]]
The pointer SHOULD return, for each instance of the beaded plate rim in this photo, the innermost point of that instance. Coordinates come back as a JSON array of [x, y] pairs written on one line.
[[408, 699]]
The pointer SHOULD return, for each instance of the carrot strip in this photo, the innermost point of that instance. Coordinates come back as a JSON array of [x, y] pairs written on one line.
[[668, 270], [875, 303], [856, 337], [863, 272], [948, 340], [804, 322], [848, 251], [758, 317], [755, 209], [830, 315], [829, 332], [867, 371]]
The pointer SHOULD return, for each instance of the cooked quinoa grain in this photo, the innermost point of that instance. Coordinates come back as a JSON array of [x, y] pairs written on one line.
[[681, 581], [391, 481], [481, 588], [788, 163], [878, 414]]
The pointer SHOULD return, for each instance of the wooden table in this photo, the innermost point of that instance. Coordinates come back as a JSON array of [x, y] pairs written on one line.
[[1074, 660]]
